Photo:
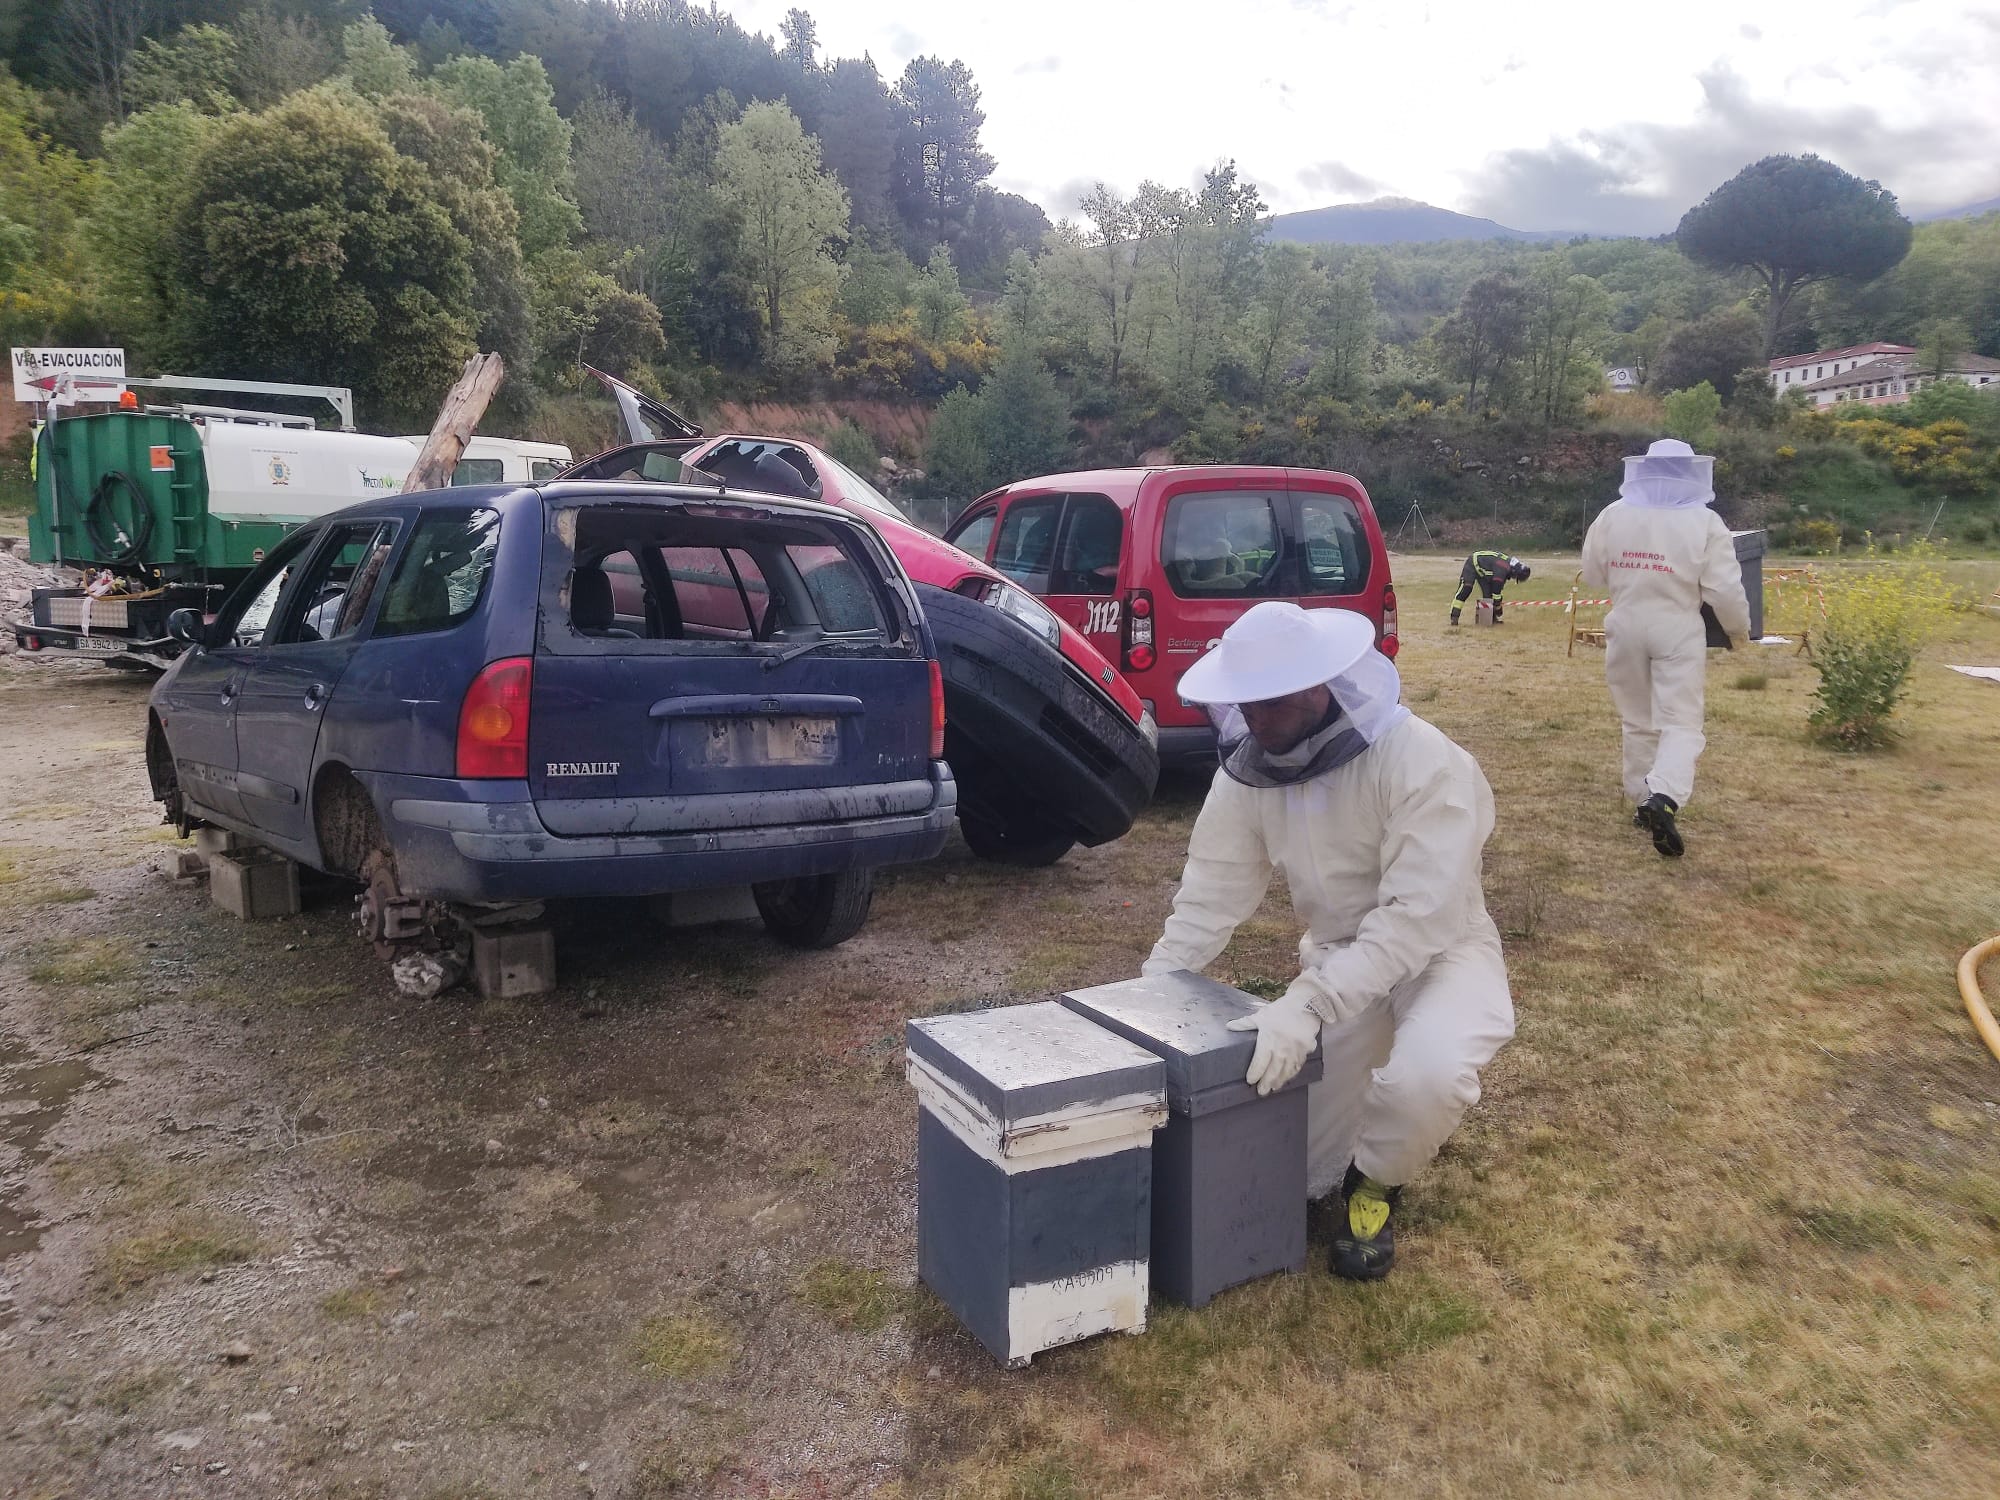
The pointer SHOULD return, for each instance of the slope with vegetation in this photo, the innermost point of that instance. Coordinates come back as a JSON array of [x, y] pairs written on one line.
[[307, 190]]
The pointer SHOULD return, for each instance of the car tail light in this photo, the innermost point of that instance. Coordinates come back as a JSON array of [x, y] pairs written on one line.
[[1390, 645], [1138, 632], [493, 721], [32, 642], [937, 710]]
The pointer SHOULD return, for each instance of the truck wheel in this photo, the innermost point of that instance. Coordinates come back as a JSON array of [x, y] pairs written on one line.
[[816, 911], [1018, 841]]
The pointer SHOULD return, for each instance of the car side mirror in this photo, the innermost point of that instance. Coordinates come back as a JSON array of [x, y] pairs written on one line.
[[188, 625]]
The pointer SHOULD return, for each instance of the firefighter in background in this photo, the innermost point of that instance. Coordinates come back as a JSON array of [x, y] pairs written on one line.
[[1490, 572]]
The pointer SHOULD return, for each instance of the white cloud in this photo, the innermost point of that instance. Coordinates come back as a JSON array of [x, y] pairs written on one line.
[[1562, 114]]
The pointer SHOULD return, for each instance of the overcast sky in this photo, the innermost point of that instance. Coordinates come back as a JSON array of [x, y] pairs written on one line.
[[1554, 114]]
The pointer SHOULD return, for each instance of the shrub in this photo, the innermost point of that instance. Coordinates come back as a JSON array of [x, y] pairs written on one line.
[[855, 448], [1976, 532], [1878, 617], [1692, 415]]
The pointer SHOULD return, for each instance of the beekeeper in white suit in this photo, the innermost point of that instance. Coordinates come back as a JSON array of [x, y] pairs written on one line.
[[1663, 554], [1377, 821]]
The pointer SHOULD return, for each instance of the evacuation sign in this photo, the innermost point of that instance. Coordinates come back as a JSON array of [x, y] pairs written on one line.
[[67, 376]]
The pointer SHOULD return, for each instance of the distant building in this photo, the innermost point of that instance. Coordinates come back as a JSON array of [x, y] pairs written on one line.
[[1893, 379], [1622, 378], [1795, 370]]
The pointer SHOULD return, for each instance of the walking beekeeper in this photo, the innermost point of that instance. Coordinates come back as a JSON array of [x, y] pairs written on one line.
[[1376, 821], [1663, 554]]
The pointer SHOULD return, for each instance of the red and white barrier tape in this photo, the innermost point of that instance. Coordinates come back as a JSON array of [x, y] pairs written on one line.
[[1551, 603]]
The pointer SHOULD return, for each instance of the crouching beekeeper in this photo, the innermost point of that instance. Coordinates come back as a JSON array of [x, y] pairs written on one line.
[[1376, 821]]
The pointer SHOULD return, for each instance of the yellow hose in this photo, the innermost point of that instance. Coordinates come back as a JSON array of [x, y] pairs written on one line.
[[1975, 1002]]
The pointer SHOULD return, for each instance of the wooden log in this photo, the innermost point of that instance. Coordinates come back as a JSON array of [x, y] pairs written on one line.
[[456, 419]]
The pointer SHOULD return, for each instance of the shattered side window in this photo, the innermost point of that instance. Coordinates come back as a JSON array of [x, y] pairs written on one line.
[[442, 574]]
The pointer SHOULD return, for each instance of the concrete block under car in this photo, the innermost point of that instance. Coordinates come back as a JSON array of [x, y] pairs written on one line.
[[514, 961], [254, 884], [1229, 1170], [209, 842], [1034, 1174]]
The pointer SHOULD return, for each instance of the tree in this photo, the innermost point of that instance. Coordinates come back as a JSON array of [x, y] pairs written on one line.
[[519, 109], [955, 461], [375, 65], [95, 42], [940, 305], [1024, 302], [1691, 415], [1795, 220], [1290, 290], [197, 65], [1567, 316], [768, 169], [1482, 337], [277, 55], [45, 192], [149, 165], [939, 162], [1204, 245], [1107, 261], [1025, 418], [1941, 343], [1714, 349], [1346, 331], [310, 249], [801, 36], [879, 283], [1754, 402], [450, 142], [637, 204], [1002, 223], [857, 136], [583, 316]]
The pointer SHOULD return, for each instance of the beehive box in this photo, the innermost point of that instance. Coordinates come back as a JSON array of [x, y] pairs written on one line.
[[1229, 1169], [1034, 1174]]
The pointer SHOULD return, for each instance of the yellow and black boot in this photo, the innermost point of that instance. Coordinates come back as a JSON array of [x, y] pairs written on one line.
[[1364, 1246]]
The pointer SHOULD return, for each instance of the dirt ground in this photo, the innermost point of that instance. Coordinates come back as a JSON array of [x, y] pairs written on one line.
[[1727, 1221]]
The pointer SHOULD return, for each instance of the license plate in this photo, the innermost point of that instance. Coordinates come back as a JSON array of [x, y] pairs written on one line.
[[102, 644], [782, 740]]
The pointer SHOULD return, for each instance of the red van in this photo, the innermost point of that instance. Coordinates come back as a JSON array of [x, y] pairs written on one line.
[[1152, 565]]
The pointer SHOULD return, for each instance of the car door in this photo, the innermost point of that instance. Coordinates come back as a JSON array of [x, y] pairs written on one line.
[[973, 535], [1083, 579], [294, 673], [202, 695]]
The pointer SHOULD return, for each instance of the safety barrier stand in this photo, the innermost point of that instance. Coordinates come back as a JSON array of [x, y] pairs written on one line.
[[1804, 585], [1590, 635]]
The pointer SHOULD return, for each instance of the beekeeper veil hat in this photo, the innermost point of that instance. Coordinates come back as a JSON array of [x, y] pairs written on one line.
[[1277, 648], [1668, 476]]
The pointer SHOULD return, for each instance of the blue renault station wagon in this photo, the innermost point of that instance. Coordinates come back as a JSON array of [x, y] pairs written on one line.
[[444, 696]]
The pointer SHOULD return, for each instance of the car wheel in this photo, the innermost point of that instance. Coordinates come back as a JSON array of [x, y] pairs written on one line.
[[816, 911], [1020, 841]]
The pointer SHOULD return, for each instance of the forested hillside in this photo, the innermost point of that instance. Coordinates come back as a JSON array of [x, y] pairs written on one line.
[[317, 190]]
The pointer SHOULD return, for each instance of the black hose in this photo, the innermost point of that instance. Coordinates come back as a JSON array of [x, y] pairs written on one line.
[[97, 516]]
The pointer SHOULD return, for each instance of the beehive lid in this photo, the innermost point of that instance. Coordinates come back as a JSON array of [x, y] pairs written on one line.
[[1183, 1019], [1023, 1062]]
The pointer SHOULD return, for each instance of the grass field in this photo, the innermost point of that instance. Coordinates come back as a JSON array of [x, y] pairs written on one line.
[[1728, 1221]]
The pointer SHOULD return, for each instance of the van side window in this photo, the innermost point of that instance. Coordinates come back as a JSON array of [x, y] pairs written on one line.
[[708, 592], [1225, 545], [336, 594], [442, 574], [1028, 543], [1333, 549], [1093, 535], [479, 471]]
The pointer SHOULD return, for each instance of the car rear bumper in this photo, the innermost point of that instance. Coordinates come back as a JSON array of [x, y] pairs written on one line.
[[485, 841]]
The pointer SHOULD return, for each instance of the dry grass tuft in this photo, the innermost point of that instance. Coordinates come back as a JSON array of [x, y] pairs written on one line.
[[682, 1345]]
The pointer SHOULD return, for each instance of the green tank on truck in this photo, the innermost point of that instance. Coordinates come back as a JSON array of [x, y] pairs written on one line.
[[185, 500], [176, 508]]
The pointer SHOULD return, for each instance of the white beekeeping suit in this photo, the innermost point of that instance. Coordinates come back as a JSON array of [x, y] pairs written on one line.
[[1663, 554], [1377, 822]]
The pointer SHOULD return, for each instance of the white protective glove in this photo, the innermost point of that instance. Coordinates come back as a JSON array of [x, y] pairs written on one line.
[[1287, 1031]]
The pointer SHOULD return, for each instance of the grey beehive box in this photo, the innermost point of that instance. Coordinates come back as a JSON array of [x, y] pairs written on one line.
[[1229, 1170], [1034, 1174]]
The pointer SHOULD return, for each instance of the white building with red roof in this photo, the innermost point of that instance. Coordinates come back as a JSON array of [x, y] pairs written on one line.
[[1795, 370], [1890, 380]]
